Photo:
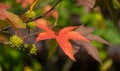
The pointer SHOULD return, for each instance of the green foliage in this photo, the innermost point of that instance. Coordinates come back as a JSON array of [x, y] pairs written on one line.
[[93, 18], [17, 43], [111, 32], [13, 60], [116, 4], [102, 26], [52, 48]]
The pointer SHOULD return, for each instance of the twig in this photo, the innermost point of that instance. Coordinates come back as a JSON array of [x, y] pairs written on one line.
[[14, 27], [46, 12], [30, 35]]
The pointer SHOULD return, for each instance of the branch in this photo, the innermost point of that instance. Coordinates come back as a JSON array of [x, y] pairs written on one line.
[[46, 12]]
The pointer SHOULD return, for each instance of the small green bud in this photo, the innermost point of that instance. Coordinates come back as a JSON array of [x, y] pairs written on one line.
[[27, 16], [15, 42], [32, 48], [30, 15], [30, 25]]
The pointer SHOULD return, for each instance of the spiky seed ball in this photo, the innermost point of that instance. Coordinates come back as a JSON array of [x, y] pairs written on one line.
[[15, 42], [32, 48], [30, 14], [30, 25]]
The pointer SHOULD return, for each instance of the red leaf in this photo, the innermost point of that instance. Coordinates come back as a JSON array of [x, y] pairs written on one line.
[[25, 3], [66, 29], [52, 13], [43, 24], [66, 32], [14, 20], [44, 36], [66, 46], [3, 8], [75, 36], [62, 38]]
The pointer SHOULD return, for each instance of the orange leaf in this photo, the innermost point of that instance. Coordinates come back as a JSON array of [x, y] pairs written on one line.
[[76, 36], [3, 7], [14, 20], [66, 46], [62, 38], [25, 3], [52, 13], [66, 29], [43, 24], [44, 36], [66, 32]]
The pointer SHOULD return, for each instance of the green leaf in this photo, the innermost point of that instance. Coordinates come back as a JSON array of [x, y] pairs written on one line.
[[52, 48]]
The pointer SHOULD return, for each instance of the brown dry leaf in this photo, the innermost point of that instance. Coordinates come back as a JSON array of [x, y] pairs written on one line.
[[96, 38], [52, 13], [90, 49], [3, 8], [14, 20], [86, 3], [84, 30], [76, 48]]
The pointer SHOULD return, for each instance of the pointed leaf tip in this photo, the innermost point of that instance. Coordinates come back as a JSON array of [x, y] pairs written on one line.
[[66, 29], [76, 36], [42, 24], [3, 8], [66, 46], [90, 49], [44, 36]]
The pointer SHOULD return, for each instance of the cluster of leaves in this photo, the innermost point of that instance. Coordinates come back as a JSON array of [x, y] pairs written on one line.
[[62, 37], [70, 38], [11, 59]]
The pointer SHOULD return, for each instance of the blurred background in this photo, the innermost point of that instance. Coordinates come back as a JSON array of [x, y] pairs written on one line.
[[48, 56]]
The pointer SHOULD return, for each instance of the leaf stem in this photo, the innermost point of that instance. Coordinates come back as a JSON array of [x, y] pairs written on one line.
[[14, 27]]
